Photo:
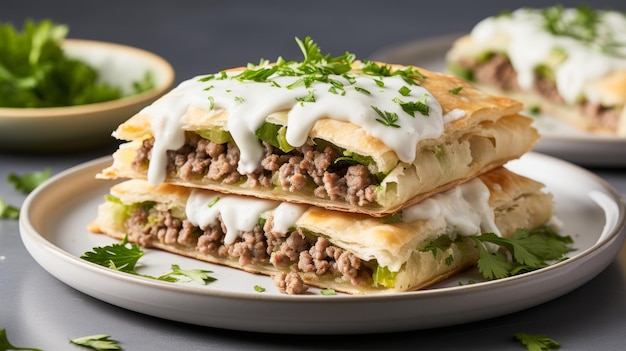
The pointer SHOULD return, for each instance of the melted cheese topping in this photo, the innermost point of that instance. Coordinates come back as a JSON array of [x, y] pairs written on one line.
[[530, 44], [248, 103]]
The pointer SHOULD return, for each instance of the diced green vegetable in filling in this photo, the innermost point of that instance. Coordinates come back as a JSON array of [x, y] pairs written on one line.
[[216, 135], [274, 135], [384, 277]]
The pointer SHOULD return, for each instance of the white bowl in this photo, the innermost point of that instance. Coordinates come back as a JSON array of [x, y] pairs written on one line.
[[53, 129]]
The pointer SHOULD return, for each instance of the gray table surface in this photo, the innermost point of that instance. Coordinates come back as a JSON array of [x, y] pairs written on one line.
[[207, 36]]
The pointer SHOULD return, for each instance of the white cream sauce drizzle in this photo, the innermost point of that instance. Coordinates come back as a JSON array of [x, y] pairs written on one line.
[[249, 103], [531, 44], [465, 209], [238, 214]]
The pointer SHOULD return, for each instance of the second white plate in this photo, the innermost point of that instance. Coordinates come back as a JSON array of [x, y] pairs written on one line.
[[53, 228], [558, 138]]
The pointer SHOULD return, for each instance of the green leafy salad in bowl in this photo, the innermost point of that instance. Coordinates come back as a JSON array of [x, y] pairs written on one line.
[[59, 94]]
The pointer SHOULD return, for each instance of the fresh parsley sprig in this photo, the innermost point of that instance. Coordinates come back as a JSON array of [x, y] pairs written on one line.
[[529, 250], [123, 257]]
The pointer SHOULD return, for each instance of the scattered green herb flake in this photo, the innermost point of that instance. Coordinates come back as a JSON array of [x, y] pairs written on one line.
[[199, 276], [259, 288], [8, 211], [99, 342], [404, 91], [456, 91], [211, 102], [410, 107], [209, 87], [362, 90], [5, 345], [27, 182], [379, 83], [534, 110], [387, 118], [328, 292], [537, 342], [449, 260], [214, 201], [239, 99], [310, 97]]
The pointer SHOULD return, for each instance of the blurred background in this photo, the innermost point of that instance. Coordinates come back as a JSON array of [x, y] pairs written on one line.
[[204, 36]]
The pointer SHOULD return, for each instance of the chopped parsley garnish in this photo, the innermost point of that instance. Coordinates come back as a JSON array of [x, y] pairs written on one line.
[[537, 342], [456, 91], [310, 97], [410, 107], [582, 26], [404, 91], [214, 201], [259, 288], [387, 118], [123, 257]]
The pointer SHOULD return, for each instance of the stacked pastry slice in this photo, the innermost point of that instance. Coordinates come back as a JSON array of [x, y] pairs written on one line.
[[328, 172]]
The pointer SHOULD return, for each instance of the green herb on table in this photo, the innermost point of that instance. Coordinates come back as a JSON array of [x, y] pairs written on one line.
[[27, 182], [5, 345], [123, 257], [259, 288], [537, 342], [100, 342], [8, 211]]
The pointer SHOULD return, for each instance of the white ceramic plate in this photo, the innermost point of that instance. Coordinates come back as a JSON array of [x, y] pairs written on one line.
[[53, 229], [558, 138]]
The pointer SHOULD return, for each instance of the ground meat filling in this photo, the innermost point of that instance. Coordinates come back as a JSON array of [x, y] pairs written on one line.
[[498, 71], [304, 169], [293, 252]]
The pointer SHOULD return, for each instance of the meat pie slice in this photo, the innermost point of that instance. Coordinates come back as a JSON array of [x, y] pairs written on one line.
[[348, 135], [567, 62], [301, 245]]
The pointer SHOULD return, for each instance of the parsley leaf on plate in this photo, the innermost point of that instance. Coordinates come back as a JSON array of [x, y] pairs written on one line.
[[527, 251], [123, 257]]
